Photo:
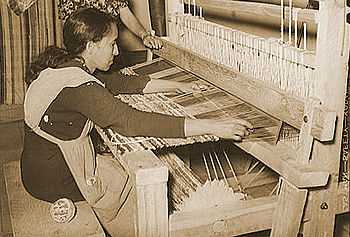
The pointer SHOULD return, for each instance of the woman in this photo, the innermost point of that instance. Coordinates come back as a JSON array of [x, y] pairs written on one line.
[[118, 9], [63, 101]]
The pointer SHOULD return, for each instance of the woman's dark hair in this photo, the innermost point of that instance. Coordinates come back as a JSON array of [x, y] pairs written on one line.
[[82, 26], [51, 57]]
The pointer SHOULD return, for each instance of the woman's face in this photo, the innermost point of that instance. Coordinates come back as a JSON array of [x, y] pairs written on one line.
[[105, 50]]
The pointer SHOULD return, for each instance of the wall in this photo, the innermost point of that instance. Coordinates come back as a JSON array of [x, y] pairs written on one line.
[[23, 37]]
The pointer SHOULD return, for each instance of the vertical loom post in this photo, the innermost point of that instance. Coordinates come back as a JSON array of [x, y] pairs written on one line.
[[305, 35], [330, 89], [296, 29], [290, 23], [150, 178], [194, 7], [282, 20], [304, 147], [322, 203], [290, 201]]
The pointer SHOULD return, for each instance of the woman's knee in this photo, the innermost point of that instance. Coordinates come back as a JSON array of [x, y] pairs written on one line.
[[117, 185]]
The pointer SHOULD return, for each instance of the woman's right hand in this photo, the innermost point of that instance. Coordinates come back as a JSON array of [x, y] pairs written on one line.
[[234, 129]]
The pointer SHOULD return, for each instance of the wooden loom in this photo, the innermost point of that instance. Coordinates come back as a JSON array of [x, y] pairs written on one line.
[[310, 189]]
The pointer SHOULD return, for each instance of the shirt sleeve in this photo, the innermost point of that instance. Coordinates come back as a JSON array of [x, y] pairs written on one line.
[[99, 105], [117, 83]]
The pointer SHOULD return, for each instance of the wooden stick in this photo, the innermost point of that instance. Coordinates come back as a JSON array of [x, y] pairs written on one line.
[[304, 35], [251, 168], [194, 7], [234, 173], [221, 169], [290, 22], [296, 29], [282, 20], [255, 176], [182, 7], [206, 166], [213, 165]]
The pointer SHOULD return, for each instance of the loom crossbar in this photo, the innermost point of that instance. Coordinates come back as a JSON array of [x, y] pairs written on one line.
[[257, 9], [240, 218], [278, 104], [281, 161]]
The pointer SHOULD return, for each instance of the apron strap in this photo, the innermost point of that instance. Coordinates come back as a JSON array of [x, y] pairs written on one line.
[[78, 153]]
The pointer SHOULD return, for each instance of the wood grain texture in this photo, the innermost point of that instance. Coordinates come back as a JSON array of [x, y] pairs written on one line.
[[238, 218], [282, 161], [150, 177], [291, 201], [331, 90]]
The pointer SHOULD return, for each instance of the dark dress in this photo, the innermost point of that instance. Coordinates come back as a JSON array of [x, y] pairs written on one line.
[[45, 173]]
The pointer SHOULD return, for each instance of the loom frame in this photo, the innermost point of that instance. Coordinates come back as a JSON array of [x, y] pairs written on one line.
[[324, 203], [300, 206]]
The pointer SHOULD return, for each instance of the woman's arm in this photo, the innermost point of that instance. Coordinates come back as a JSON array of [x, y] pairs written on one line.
[[99, 105], [96, 103], [230, 129], [133, 24], [159, 85], [118, 83]]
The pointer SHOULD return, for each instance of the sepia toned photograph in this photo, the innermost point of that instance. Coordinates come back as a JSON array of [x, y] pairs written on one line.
[[174, 118]]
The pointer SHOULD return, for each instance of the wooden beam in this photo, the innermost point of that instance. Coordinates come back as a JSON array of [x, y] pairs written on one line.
[[291, 202], [258, 9], [272, 101], [144, 163], [282, 161], [331, 90], [234, 219], [342, 201], [150, 177], [265, 178]]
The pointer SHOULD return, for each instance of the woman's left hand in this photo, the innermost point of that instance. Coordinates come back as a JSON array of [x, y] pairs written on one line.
[[127, 71], [152, 42]]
